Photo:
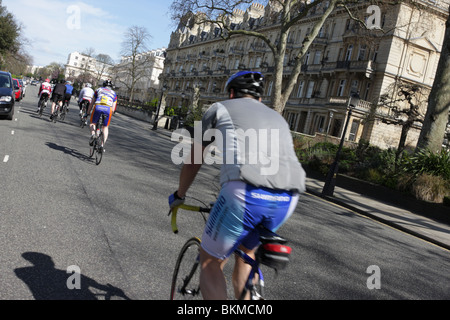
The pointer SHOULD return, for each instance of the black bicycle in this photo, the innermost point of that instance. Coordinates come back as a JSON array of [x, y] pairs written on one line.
[[64, 109], [42, 103], [99, 141], [272, 252], [84, 108], [57, 113]]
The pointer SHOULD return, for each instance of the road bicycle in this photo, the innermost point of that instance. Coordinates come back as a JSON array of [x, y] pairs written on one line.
[[57, 113], [84, 108], [272, 252], [64, 110], [42, 104], [99, 140]]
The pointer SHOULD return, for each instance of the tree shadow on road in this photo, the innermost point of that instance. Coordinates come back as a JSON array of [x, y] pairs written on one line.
[[70, 151], [48, 283]]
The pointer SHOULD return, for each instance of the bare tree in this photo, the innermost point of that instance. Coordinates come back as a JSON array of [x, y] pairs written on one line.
[[406, 104], [103, 65], [55, 70], [436, 118], [85, 75], [282, 15], [132, 69]]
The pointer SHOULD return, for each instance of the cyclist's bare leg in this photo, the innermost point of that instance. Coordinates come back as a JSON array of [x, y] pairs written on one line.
[[105, 134], [212, 281], [241, 272], [92, 126]]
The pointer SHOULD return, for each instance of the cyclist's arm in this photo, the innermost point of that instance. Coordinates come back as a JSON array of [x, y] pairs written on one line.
[[189, 170]]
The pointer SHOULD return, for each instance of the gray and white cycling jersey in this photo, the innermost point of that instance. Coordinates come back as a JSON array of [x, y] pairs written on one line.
[[256, 144]]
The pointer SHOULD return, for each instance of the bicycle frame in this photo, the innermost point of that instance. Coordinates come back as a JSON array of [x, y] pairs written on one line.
[[249, 285]]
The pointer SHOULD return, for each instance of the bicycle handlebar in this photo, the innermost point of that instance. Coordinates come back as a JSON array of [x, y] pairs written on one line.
[[184, 207]]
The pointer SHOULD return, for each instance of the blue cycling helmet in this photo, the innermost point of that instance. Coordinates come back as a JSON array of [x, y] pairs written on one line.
[[246, 82]]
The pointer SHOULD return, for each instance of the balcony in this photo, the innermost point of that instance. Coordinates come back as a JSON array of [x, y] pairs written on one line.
[[363, 105], [360, 66]]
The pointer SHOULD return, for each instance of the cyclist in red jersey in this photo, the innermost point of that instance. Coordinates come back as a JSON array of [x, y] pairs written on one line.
[[44, 91]]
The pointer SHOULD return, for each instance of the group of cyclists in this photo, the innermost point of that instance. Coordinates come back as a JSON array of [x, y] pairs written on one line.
[[248, 197], [90, 102]]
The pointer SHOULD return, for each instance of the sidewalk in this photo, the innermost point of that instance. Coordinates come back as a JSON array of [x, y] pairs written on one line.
[[425, 228], [432, 230]]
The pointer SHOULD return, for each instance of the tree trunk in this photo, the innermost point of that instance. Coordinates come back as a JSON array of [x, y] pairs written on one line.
[[436, 118]]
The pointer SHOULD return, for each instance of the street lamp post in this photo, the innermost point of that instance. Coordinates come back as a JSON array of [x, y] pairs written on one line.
[[155, 122], [330, 181]]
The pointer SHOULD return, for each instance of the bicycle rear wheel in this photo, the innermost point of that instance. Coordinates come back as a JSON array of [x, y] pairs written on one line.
[[55, 116], [41, 107], [62, 115], [99, 149], [186, 276]]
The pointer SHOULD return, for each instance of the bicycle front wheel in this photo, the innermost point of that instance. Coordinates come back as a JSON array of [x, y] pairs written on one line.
[[186, 276]]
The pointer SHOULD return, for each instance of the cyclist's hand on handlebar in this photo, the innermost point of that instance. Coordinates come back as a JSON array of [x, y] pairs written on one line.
[[175, 200]]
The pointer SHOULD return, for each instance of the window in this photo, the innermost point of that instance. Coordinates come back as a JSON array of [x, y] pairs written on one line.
[[320, 124], [292, 120], [258, 62], [353, 130], [300, 89], [375, 54], [321, 33], [354, 86], [310, 90], [366, 93], [341, 88], [330, 88], [317, 57], [348, 54], [306, 58], [362, 52]]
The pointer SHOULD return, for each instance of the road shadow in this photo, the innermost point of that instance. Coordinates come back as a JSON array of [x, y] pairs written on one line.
[[48, 283], [71, 152]]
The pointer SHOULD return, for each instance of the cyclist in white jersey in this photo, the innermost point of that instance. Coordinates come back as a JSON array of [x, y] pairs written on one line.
[[86, 94], [252, 192]]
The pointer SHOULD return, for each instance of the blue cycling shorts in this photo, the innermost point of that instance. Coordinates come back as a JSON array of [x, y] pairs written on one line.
[[239, 208], [98, 111]]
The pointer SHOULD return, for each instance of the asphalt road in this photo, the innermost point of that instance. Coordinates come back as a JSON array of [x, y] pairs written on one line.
[[59, 210]]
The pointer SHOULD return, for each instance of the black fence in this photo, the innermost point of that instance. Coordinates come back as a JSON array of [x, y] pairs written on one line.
[[136, 105]]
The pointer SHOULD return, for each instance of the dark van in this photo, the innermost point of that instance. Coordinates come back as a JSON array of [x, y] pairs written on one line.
[[7, 92]]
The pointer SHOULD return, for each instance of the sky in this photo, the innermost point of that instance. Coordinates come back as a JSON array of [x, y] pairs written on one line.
[[56, 28]]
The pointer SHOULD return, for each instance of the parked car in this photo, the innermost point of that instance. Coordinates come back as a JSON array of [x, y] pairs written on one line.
[[24, 87], [18, 89], [7, 93]]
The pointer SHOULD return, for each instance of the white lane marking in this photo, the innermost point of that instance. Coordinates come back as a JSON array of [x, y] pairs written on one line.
[[6, 159]]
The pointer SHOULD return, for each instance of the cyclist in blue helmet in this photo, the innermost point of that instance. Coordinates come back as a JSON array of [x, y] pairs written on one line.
[[260, 183], [68, 95]]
